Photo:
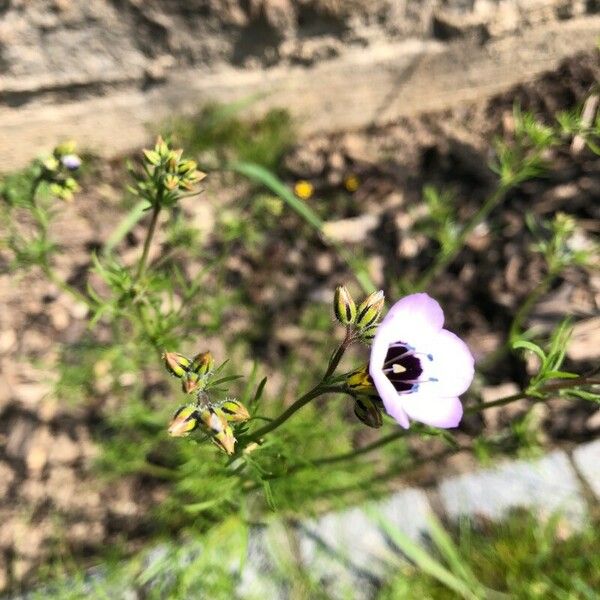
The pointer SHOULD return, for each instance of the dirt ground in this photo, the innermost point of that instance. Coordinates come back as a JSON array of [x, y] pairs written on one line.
[[49, 496]]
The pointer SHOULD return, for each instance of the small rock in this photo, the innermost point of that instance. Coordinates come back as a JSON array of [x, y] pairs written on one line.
[[376, 268], [585, 340], [7, 476], [593, 422], [30, 395], [8, 338], [324, 263], [3, 574], [59, 317], [62, 487], [33, 491], [86, 534], [351, 231], [63, 450], [39, 447], [21, 567]]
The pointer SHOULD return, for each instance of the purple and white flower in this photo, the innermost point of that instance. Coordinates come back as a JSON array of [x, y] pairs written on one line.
[[419, 368], [72, 162]]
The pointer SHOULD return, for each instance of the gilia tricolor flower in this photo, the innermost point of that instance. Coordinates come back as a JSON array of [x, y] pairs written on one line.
[[419, 368]]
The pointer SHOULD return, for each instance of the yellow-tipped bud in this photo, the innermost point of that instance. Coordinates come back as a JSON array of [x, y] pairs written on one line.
[[202, 363], [360, 382], [192, 382], [367, 335], [370, 310], [186, 167], [214, 420], [225, 440], [176, 363], [344, 306], [234, 411], [171, 182], [184, 421], [368, 412], [152, 157]]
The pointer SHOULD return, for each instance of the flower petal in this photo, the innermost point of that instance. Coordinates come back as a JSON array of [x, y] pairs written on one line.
[[414, 318], [452, 365], [437, 412], [389, 396]]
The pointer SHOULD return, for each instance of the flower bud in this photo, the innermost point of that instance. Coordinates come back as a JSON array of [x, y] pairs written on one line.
[[214, 420], [344, 306], [51, 164], [202, 363], [66, 147], [235, 411], [368, 412], [161, 147], [225, 440], [185, 167], [176, 363], [192, 382], [152, 157], [171, 182], [370, 310], [184, 421], [367, 335], [360, 382]]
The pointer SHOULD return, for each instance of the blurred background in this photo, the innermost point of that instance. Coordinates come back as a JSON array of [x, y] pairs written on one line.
[[383, 117]]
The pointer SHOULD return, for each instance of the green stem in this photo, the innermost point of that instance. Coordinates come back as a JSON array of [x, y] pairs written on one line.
[[364, 450], [338, 354], [320, 389], [35, 184], [317, 391], [443, 260], [550, 387], [148, 241]]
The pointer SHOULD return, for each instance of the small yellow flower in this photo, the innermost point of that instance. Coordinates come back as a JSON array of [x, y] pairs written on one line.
[[304, 189], [352, 183]]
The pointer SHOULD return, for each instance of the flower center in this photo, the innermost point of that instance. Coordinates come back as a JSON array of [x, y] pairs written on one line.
[[403, 367]]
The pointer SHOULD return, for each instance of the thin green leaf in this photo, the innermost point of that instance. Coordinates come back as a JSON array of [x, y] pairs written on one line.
[[130, 220], [530, 346], [560, 375], [424, 561]]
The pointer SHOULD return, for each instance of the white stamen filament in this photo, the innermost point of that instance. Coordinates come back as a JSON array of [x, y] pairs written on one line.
[[411, 352]]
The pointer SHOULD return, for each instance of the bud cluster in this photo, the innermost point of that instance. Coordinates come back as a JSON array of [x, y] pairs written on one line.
[[167, 174], [57, 170], [362, 318], [214, 418]]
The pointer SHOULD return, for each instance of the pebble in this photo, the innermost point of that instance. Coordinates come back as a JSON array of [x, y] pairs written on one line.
[[351, 231]]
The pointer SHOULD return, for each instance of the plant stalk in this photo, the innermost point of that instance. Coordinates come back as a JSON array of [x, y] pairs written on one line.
[[148, 241]]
